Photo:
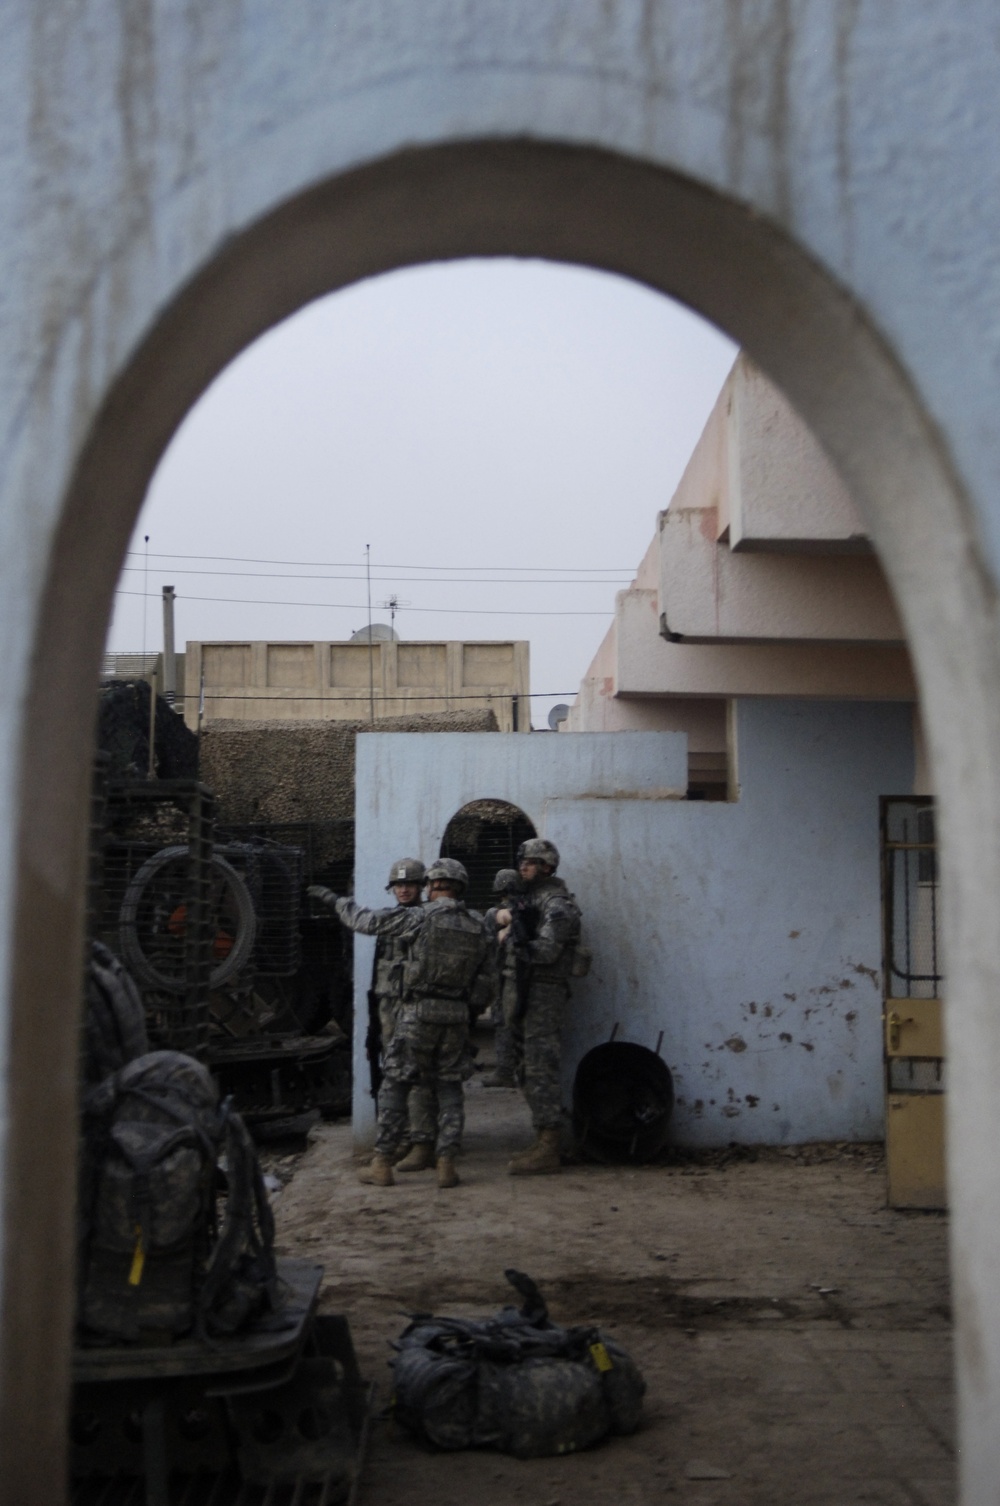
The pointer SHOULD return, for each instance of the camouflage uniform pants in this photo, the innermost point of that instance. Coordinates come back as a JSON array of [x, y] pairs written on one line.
[[542, 1026], [434, 1059], [509, 1036], [422, 1109]]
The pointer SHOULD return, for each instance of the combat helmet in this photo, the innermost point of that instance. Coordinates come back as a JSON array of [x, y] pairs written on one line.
[[508, 881], [406, 871], [538, 850], [451, 870]]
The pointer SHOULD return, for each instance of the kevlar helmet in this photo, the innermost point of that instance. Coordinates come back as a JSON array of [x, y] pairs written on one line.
[[406, 871], [508, 881], [538, 850], [451, 870]]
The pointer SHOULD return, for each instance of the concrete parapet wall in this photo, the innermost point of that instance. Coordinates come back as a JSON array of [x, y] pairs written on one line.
[[709, 594], [331, 681], [783, 492]]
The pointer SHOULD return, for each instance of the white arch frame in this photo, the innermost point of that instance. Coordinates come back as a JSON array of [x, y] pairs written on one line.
[[491, 197]]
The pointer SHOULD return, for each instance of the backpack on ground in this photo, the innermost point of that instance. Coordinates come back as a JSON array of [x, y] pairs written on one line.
[[516, 1382], [157, 1254], [447, 953]]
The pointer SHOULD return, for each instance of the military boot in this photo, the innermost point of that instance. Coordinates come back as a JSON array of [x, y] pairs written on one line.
[[447, 1175], [540, 1159], [419, 1157], [378, 1173]]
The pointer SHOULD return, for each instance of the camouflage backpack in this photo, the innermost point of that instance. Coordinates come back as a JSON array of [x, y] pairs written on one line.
[[516, 1382], [157, 1256], [447, 953]]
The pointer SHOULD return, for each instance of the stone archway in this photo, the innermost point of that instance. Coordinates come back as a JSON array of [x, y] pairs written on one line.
[[485, 835], [606, 209]]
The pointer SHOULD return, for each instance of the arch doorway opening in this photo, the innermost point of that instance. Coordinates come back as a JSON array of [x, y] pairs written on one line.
[[484, 836]]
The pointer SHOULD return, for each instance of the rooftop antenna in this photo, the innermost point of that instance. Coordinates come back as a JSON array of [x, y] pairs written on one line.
[[371, 646], [394, 605]]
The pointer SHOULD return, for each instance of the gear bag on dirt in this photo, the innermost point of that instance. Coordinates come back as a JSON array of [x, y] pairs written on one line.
[[447, 953], [156, 1256], [516, 1382]]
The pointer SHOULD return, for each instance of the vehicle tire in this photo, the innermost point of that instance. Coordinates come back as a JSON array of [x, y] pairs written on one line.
[[133, 952]]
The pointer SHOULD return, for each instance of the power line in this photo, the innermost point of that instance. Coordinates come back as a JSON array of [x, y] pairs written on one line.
[[356, 606], [236, 559], [386, 695], [525, 580]]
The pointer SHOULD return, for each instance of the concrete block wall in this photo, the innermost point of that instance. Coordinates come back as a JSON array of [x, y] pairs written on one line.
[[331, 681]]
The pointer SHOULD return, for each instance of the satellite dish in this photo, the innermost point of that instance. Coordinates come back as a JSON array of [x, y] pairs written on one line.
[[379, 632], [557, 715]]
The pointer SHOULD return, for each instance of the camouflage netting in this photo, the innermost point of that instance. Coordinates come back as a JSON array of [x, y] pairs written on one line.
[[123, 733], [302, 771]]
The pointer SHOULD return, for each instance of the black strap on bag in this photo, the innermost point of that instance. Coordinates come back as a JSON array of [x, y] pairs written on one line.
[[241, 1277], [114, 1022]]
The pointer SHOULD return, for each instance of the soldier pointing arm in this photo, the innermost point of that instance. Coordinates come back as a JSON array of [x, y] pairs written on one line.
[[447, 946], [393, 927]]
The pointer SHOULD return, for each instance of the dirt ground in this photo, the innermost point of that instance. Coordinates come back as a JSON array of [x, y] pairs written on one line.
[[794, 1333]]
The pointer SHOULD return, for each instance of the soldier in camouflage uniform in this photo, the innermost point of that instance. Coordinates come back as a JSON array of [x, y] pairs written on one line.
[[550, 957], [406, 882], [430, 1043]]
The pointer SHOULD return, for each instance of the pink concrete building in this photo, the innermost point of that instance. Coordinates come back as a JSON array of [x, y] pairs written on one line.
[[759, 581]]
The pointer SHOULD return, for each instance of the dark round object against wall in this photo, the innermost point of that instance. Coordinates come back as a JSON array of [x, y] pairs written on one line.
[[623, 1097]]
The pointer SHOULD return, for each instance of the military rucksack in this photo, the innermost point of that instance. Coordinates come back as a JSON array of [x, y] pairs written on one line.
[[158, 1255], [447, 953], [516, 1382], [114, 1019]]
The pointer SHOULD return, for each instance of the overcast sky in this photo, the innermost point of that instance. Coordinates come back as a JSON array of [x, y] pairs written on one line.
[[483, 419]]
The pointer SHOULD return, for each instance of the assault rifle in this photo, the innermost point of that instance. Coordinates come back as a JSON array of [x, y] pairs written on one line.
[[523, 929], [373, 1036]]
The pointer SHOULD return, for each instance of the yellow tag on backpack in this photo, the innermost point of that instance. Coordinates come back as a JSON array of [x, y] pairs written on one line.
[[601, 1358]]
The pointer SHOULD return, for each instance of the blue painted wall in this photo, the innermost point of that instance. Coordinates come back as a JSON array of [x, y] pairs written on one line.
[[748, 932]]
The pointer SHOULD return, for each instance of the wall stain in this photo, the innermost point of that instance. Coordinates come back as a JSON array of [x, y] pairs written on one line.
[[759, 41], [847, 16]]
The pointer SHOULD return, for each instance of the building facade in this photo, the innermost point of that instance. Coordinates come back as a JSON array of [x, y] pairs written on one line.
[[331, 681]]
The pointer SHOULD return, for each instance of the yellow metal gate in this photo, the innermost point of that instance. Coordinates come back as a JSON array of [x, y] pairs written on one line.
[[914, 1048]]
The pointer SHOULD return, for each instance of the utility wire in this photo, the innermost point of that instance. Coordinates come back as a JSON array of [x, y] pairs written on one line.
[[236, 559], [359, 606], [524, 580], [386, 695]]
